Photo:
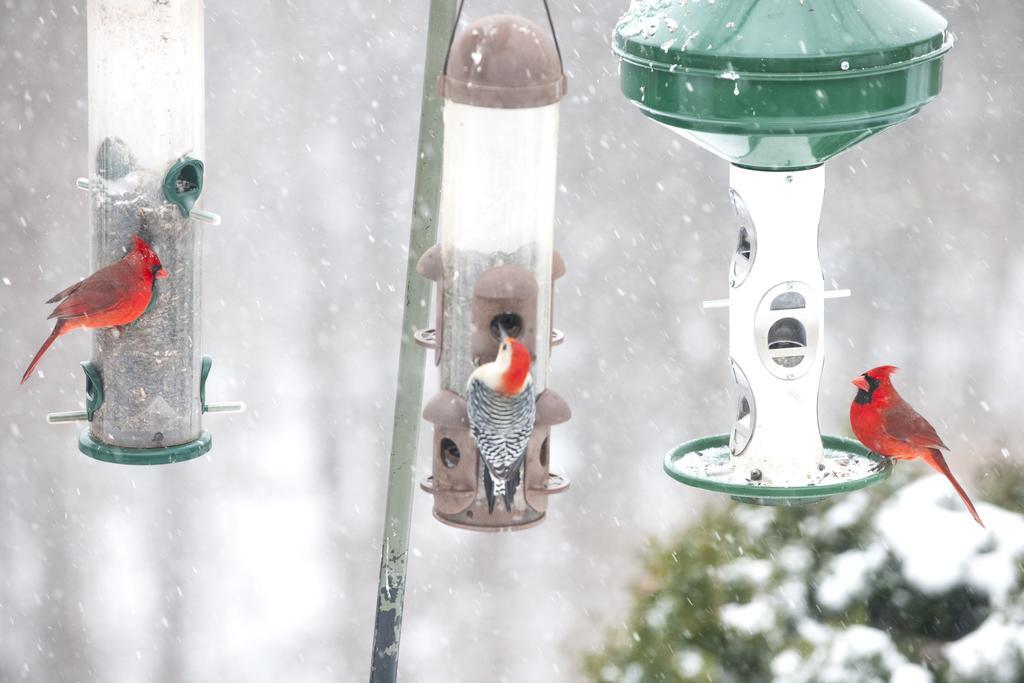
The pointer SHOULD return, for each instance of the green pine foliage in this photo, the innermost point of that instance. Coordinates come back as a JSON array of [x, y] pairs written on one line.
[[816, 594]]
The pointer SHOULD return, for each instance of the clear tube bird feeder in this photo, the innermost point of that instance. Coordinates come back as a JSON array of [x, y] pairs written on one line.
[[777, 89], [495, 265], [145, 384]]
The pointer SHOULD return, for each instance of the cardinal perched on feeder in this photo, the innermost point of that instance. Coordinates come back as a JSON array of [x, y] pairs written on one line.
[[111, 297], [502, 408], [886, 424]]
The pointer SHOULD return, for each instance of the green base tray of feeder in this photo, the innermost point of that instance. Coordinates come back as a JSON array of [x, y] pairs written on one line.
[[849, 466], [143, 456]]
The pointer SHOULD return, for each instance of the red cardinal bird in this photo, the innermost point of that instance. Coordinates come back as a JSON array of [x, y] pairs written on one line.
[[886, 424], [110, 297]]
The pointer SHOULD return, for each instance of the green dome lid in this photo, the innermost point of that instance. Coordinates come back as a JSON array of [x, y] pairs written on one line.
[[780, 83]]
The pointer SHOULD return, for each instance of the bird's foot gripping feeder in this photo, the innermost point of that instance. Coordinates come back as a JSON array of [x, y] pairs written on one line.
[[777, 88], [146, 379], [495, 269]]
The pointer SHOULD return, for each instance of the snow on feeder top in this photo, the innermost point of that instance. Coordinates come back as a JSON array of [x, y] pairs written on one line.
[[495, 266], [145, 384], [780, 84]]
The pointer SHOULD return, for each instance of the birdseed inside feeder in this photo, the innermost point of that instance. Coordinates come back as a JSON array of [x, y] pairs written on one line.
[[495, 265], [777, 88]]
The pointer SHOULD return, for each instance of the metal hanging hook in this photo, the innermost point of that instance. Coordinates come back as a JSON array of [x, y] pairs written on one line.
[[554, 37], [451, 38]]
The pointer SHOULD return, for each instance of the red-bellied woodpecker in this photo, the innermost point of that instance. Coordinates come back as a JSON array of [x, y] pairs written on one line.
[[502, 408]]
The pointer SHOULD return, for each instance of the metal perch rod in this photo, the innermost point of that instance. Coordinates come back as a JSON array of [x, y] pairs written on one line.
[[197, 214], [226, 407], [724, 303], [81, 416]]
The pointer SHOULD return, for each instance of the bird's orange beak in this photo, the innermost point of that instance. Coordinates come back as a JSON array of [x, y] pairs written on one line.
[[861, 384], [160, 274]]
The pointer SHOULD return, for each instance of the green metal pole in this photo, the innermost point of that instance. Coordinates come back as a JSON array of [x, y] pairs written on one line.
[[387, 629]]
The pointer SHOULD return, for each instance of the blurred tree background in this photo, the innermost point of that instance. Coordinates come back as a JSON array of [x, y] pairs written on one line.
[[893, 583]]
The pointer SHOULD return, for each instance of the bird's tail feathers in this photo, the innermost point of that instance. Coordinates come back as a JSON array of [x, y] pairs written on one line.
[[500, 491], [505, 489], [491, 488], [511, 484], [938, 463], [57, 330]]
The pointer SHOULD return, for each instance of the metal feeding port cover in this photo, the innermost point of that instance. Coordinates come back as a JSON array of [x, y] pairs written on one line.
[[787, 331]]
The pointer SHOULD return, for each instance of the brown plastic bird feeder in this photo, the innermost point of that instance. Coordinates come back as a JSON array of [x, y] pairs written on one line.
[[495, 266]]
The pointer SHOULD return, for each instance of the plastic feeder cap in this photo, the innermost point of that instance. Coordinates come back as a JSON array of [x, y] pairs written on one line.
[[503, 62], [780, 84]]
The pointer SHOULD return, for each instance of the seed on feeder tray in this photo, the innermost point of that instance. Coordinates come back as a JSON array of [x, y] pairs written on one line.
[[755, 475], [114, 159]]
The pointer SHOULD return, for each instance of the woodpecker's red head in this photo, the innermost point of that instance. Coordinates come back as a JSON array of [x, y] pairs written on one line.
[[514, 359], [149, 258], [872, 381]]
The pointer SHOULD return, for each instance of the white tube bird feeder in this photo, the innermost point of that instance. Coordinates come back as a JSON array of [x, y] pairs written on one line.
[[777, 324], [495, 265], [146, 382], [774, 452]]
